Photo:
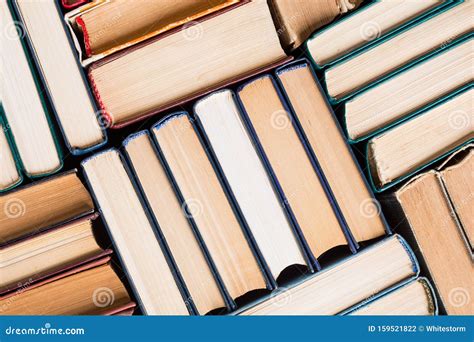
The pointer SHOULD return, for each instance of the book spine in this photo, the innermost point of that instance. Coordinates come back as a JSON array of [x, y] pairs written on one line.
[[230, 304], [177, 277]]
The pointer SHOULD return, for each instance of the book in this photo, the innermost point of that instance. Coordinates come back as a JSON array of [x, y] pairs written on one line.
[[206, 203], [62, 75], [92, 289], [345, 284], [10, 175], [269, 122], [379, 61], [145, 262], [223, 129], [364, 26], [402, 150], [41, 205], [413, 298], [25, 112], [105, 27], [49, 253], [172, 221], [167, 70], [296, 20], [431, 220], [328, 148], [457, 176], [407, 93]]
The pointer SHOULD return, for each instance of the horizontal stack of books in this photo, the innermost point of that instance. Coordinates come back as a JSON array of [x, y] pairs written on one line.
[[245, 196]]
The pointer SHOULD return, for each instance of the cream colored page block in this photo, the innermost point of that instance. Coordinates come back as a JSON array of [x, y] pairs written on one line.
[[344, 285], [410, 90], [61, 73], [133, 235], [291, 164], [440, 242], [346, 181], [412, 299], [172, 221], [413, 143], [459, 182], [177, 66], [8, 172], [208, 205], [23, 108], [368, 24], [387, 57]]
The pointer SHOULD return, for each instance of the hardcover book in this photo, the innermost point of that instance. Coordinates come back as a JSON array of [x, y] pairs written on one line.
[[104, 27], [379, 61], [167, 70], [371, 23], [401, 151], [62, 76]]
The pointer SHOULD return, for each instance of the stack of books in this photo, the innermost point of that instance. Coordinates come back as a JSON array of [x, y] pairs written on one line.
[[50, 260], [245, 196]]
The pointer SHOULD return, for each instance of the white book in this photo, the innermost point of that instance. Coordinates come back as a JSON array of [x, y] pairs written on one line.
[[248, 181]]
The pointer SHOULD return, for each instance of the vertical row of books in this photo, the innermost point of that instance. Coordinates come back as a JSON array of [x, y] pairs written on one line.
[[243, 195]]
